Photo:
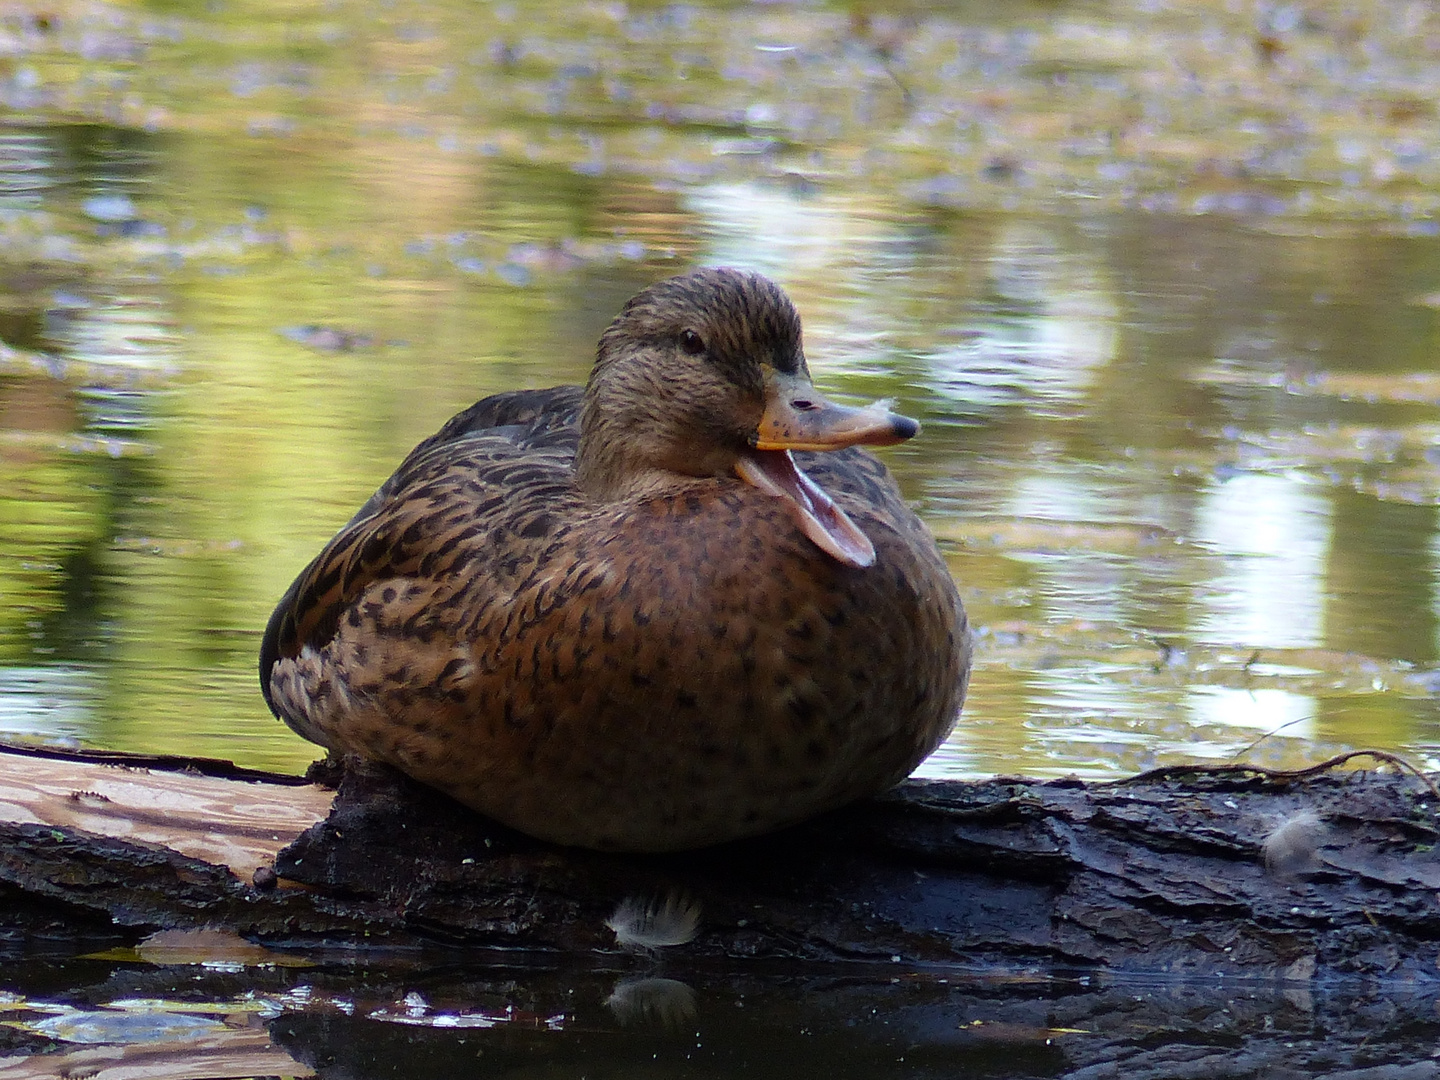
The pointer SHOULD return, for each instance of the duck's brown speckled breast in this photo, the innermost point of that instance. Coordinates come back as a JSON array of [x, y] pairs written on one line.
[[652, 676]]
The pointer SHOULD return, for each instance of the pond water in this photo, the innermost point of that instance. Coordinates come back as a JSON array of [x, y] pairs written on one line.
[[1184, 472], [1184, 466], [1162, 284], [432, 1017]]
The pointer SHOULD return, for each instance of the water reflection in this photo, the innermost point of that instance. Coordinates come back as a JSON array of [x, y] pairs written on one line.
[[1262, 710], [795, 229], [652, 1001], [120, 336], [1274, 532], [1076, 584], [26, 165], [51, 703], [1043, 323], [1135, 452], [385, 1018]]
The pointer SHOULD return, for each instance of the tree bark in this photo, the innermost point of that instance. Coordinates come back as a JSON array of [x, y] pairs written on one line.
[[1165, 874], [1007, 927]]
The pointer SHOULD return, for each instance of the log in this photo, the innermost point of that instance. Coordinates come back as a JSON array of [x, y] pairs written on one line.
[[1165, 874], [211, 811], [1091, 930]]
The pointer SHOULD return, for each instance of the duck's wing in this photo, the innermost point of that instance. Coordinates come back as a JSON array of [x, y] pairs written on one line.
[[526, 420], [443, 494]]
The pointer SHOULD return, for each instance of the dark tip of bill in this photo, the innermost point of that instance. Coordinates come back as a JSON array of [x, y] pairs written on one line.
[[904, 427]]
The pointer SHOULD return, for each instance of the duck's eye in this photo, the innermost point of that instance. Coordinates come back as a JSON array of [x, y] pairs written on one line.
[[691, 343]]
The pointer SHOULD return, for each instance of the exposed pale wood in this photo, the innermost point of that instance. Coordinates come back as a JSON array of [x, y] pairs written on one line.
[[234, 823]]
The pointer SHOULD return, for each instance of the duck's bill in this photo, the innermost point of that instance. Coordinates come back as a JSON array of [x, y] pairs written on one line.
[[828, 527], [797, 418]]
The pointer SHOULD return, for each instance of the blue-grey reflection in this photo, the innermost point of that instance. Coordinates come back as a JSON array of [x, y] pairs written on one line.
[[26, 166], [1047, 322], [55, 703]]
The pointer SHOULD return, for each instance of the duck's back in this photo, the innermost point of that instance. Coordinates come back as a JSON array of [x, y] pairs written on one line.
[[503, 457], [648, 675]]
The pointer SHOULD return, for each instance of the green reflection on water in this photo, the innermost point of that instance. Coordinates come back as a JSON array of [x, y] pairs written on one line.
[[242, 278]]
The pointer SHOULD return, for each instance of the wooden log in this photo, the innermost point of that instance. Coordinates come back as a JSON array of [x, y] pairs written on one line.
[[1160, 875], [211, 811]]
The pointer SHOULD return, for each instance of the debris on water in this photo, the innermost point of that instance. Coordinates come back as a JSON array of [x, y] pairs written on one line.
[[99, 1026], [109, 208], [327, 338], [211, 948]]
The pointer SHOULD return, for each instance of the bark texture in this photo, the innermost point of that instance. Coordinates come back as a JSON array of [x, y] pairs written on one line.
[[1009, 928], [1165, 875]]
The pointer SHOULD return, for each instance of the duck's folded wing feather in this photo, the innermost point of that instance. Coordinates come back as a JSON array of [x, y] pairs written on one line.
[[526, 419], [446, 493]]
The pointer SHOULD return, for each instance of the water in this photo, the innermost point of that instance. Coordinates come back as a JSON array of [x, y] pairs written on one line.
[[1181, 469], [407, 1019], [1168, 322]]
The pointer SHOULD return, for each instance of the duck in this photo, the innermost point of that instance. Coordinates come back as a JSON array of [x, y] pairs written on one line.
[[678, 607]]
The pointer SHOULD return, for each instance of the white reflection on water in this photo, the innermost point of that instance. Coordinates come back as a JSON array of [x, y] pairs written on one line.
[[1434, 546], [26, 164], [785, 231], [1274, 532], [1265, 589], [132, 332], [952, 758], [51, 704], [1043, 321], [1076, 584], [1287, 714], [1049, 321], [1088, 719]]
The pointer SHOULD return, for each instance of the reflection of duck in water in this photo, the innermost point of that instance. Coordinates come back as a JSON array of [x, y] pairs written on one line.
[[623, 618]]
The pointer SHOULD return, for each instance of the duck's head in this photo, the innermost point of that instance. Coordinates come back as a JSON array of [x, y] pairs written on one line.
[[704, 375]]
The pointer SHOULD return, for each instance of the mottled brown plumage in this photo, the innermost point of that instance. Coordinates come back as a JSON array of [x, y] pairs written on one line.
[[620, 618]]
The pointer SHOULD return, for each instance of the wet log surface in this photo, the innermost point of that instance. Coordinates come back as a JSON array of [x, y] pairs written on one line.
[[1022, 927], [1165, 875]]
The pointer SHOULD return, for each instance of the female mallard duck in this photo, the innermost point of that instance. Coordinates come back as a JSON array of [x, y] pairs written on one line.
[[625, 618]]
